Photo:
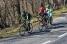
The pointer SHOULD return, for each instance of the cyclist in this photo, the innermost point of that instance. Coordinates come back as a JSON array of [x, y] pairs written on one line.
[[27, 18], [43, 13], [49, 12], [41, 10]]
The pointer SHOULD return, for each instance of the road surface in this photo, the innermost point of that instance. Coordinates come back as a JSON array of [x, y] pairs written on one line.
[[58, 35]]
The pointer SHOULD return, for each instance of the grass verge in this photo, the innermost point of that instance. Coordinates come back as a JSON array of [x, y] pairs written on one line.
[[59, 12]]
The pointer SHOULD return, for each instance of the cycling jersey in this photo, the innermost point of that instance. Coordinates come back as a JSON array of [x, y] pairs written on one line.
[[27, 16], [42, 10], [49, 12]]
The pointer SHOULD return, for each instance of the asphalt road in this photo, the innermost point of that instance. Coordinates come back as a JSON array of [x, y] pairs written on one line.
[[58, 35]]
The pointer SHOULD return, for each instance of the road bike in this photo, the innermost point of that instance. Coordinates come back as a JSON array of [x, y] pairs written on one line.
[[43, 23], [26, 26]]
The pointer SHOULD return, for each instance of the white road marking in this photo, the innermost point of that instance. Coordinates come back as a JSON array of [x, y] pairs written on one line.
[[62, 35], [47, 42]]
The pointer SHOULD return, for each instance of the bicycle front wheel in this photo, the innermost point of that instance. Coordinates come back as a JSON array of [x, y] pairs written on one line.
[[30, 28]]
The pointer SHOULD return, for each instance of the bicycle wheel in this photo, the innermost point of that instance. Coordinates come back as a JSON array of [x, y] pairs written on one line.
[[30, 28], [44, 22], [46, 26], [40, 27], [40, 24], [50, 20], [22, 30]]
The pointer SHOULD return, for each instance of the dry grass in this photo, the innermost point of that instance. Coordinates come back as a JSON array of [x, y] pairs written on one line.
[[58, 12], [9, 31]]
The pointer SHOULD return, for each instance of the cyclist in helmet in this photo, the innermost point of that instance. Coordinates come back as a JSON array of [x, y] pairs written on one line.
[[49, 12], [42, 10], [43, 13]]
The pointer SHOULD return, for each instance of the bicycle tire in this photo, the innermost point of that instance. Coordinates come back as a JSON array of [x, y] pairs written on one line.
[[40, 27], [44, 24], [50, 20], [30, 28], [22, 30]]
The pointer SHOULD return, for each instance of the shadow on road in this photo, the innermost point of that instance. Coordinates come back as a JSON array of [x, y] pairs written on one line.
[[58, 25], [54, 26]]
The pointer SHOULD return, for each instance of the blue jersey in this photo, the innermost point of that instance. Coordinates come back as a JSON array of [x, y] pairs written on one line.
[[49, 12]]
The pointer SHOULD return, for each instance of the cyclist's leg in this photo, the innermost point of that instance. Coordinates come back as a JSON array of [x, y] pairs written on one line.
[[51, 19], [46, 19], [29, 26], [41, 21]]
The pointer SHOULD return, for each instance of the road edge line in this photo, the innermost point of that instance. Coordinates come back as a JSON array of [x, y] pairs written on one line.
[[61, 36]]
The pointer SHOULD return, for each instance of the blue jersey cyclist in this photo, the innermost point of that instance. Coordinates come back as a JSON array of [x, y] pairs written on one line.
[[50, 14]]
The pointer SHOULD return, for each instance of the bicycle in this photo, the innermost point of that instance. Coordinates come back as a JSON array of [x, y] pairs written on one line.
[[26, 26], [43, 22]]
